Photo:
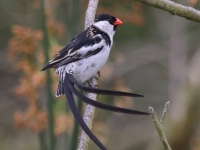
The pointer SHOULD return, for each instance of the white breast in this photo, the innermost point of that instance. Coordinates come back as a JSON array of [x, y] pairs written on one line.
[[86, 68]]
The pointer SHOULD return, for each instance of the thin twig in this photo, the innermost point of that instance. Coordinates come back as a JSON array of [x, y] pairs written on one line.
[[50, 99], [73, 21], [174, 8], [164, 112], [159, 129], [89, 110]]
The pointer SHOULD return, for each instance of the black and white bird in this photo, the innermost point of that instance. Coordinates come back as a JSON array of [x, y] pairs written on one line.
[[80, 60], [84, 56]]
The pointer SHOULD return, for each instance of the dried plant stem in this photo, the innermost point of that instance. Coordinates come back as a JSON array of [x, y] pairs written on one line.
[[90, 12], [174, 8], [159, 127], [50, 100], [89, 110], [88, 118], [164, 112]]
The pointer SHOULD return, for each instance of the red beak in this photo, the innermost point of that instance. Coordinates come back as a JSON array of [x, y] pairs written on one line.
[[117, 22]]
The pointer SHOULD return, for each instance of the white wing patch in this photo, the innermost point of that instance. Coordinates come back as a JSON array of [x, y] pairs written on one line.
[[84, 50], [69, 54]]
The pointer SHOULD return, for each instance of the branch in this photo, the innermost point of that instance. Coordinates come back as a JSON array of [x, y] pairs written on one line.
[[158, 125], [50, 99], [174, 8], [164, 112], [90, 12], [89, 110]]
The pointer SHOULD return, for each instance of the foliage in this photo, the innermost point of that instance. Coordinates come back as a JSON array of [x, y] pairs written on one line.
[[154, 54]]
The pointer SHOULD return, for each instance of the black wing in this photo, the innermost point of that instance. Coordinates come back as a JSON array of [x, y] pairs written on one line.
[[71, 53]]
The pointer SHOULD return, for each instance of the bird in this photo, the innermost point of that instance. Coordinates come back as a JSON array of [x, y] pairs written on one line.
[[80, 60]]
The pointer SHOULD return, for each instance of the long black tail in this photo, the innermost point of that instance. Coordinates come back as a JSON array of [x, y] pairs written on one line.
[[102, 105], [101, 91], [78, 117]]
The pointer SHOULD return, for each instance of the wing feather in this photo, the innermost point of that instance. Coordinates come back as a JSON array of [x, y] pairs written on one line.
[[82, 46]]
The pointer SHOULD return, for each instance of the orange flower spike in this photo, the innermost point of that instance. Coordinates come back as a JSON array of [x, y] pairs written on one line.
[[55, 28], [192, 2], [19, 120], [136, 14]]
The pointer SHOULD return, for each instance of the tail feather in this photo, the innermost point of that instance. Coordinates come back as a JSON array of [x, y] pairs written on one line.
[[60, 90], [101, 91], [78, 117], [102, 105]]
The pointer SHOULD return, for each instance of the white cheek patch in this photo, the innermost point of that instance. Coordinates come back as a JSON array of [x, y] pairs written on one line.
[[106, 27]]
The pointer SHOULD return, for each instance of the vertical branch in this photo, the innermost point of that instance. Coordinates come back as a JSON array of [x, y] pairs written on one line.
[[89, 110], [73, 22], [50, 100], [90, 12], [164, 112], [43, 144]]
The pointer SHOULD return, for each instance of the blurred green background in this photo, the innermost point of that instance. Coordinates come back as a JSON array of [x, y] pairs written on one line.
[[154, 53]]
